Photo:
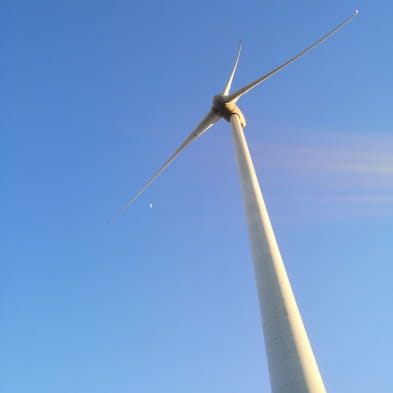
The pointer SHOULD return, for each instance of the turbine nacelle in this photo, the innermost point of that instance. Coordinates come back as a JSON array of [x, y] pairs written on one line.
[[226, 108]]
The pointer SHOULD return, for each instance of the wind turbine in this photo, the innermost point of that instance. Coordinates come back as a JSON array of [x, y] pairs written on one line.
[[291, 362]]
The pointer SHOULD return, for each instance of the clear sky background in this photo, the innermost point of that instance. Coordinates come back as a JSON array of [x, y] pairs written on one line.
[[95, 95]]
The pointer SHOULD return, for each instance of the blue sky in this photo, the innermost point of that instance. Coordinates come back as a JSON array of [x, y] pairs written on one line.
[[95, 96]]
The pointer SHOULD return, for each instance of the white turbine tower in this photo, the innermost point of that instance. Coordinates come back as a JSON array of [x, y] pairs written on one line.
[[292, 366]]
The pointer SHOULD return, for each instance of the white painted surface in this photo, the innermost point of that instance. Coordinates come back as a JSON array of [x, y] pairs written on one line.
[[292, 366]]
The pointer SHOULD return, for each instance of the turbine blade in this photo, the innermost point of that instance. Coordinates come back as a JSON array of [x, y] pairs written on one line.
[[238, 93], [230, 79], [202, 127]]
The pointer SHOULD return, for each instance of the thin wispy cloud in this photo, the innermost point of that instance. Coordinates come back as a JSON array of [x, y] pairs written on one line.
[[333, 168]]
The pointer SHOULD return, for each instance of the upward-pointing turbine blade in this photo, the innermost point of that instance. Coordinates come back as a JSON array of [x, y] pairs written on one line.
[[228, 85], [202, 127], [238, 93]]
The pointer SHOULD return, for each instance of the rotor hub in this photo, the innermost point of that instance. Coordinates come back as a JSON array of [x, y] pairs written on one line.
[[227, 109]]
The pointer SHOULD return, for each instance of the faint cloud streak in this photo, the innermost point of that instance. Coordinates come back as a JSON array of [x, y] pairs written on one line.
[[332, 168]]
